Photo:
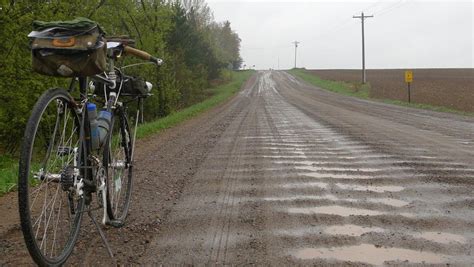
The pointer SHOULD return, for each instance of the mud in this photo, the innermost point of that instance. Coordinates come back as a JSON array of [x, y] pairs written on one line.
[[286, 173]]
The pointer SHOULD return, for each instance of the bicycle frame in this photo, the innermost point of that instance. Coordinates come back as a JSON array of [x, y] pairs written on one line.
[[86, 179]]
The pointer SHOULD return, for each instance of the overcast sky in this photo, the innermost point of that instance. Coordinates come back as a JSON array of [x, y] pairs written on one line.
[[402, 34]]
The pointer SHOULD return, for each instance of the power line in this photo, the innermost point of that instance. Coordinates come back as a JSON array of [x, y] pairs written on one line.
[[371, 6], [398, 5], [346, 22], [266, 47], [388, 7], [362, 17]]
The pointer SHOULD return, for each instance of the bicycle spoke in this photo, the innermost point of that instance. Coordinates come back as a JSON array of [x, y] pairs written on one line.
[[56, 226], [53, 200], [51, 144]]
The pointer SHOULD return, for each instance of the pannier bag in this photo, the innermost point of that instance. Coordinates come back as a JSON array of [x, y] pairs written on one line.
[[74, 48], [131, 86]]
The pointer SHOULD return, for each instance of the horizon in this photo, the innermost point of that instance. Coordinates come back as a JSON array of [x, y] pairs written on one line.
[[447, 68]]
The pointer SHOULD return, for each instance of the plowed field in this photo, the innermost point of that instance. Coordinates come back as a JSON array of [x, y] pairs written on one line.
[[453, 88]]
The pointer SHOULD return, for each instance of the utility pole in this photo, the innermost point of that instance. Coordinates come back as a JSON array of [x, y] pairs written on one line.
[[296, 48], [362, 17]]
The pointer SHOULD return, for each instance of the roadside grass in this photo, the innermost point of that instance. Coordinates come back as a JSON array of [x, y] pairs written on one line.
[[8, 173], [220, 93], [351, 89], [425, 106], [362, 91]]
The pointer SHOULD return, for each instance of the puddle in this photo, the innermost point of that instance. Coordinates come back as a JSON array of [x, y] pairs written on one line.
[[385, 201], [389, 201], [300, 152], [305, 162], [301, 197], [336, 210], [281, 148], [304, 185], [286, 141], [356, 230], [287, 162], [459, 169], [372, 188], [335, 176], [361, 166], [283, 157], [324, 152], [368, 253], [440, 237], [315, 169], [426, 157], [346, 230], [351, 230], [359, 158], [408, 215], [287, 144], [347, 148]]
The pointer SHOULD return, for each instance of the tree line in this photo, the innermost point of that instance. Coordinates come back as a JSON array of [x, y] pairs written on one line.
[[197, 52]]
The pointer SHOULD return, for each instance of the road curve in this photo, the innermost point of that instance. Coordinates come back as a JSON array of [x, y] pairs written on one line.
[[286, 173], [302, 175]]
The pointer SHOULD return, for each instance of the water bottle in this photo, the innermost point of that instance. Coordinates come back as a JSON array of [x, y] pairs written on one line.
[[103, 125], [92, 113]]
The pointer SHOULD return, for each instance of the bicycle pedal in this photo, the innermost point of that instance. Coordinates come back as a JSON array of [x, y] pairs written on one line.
[[116, 223]]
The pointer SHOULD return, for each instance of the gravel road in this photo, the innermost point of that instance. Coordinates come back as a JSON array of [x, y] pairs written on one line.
[[286, 173]]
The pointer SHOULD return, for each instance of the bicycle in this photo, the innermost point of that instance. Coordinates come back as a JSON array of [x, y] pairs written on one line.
[[71, 151]]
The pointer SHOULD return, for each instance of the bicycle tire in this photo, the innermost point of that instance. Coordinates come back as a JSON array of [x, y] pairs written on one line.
[[117, 155], [34, 141]]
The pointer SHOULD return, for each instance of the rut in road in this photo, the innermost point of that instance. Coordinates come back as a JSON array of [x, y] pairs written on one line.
[[302, 175]]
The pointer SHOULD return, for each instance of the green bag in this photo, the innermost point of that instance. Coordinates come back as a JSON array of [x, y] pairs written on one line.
[[75, 48], [78, 24]]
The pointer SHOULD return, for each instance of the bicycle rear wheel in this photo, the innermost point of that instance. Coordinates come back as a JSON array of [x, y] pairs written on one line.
[[117, 161], [50, 209]]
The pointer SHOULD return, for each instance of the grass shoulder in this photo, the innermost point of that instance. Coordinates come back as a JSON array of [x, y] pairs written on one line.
[[8, 173], [219, 94], [345, 88], [362, 91]]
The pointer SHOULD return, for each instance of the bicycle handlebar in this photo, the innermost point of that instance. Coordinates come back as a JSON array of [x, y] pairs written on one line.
[[142, 55]]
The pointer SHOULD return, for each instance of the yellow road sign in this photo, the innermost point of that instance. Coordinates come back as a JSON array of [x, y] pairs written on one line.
[[408, 76]]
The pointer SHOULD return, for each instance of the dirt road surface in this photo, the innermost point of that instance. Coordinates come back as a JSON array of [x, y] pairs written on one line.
[[286, 173]]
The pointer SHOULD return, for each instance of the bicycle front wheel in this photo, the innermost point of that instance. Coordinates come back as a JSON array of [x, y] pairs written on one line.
[[118, 163], [50, 209]]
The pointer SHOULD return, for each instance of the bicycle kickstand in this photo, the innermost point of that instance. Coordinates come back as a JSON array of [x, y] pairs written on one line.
[[102, 235]]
